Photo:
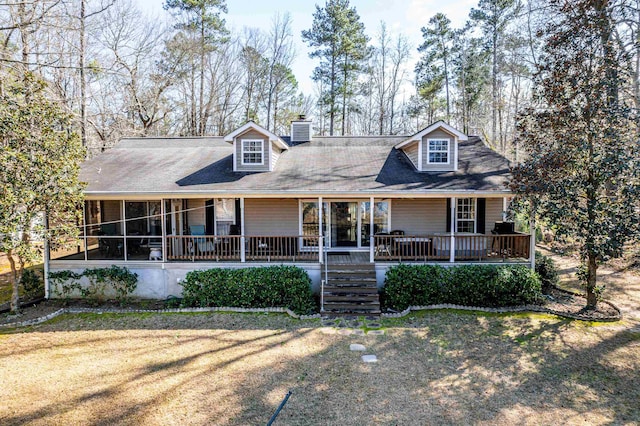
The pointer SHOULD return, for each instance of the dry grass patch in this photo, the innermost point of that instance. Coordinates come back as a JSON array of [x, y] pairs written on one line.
[[231, 369]]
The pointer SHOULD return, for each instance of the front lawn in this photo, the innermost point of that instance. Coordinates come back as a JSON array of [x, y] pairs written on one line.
[[234, 369]]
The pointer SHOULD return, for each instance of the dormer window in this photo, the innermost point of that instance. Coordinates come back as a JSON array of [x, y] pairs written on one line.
[[438, 151], [252, 152]]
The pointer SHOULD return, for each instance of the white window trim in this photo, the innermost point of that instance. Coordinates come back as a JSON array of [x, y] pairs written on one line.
[[475, 215], [242, 152], [448, 151]]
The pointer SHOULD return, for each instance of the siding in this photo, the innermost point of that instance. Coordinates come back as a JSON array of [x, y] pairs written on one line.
[[195, 216], [419, 217], [252, 134], [493, 213], [412, 153], [275, 152], [300, 131], [438, 134], [271, 217]]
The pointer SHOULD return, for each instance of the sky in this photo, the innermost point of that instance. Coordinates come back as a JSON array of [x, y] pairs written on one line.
[[400, 16]]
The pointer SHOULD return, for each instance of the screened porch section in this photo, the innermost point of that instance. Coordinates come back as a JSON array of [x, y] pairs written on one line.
[[299, 230]]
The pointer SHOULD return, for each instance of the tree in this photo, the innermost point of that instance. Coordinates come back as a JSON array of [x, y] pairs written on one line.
[[582, 171], [436, 51], [39, 165], [202, 30], [493, 16], [340, 42]]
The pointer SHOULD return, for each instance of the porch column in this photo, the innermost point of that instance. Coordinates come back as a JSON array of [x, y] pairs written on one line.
[[163, 226], [371, 225], [505, 206], [124, 230], [532, 235], [320, 239], [243, 253], [84, 230], [45, 255], [452, 239]]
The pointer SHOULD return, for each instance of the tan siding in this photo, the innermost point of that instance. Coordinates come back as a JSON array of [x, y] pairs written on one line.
[[252, 134], [271, 217], [437, 134], [275, 153], [195, 213], [412, 153], [493, 213], [419, 217]]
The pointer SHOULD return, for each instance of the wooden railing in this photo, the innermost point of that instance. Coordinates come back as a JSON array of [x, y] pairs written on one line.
[[256, 248], [437, 247]]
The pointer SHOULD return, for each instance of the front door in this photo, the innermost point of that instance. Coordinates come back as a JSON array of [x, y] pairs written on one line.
[[344, 224]]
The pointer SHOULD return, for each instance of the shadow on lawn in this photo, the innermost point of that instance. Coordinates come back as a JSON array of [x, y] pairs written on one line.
[[443, 368]]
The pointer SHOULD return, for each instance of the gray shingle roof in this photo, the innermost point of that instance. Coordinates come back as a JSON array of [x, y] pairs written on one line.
[[326, 165]]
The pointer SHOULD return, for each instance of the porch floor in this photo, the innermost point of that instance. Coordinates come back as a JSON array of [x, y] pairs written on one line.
[[348, 258]]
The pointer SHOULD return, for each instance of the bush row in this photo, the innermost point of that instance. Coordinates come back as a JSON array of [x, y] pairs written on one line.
[[115, 281], [262, 287], [469, 285]]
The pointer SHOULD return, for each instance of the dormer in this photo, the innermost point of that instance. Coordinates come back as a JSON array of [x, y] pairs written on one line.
[[434, 149], [255, 149]]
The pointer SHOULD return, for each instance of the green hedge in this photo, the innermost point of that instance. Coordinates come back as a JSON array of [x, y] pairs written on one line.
[[469, 285], [263, 287]]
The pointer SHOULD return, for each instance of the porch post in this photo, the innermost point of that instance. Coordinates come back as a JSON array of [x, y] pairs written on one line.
[[84, 229], [371, 225], [320, 239], [124, 230], [163, 226], [45, 255], [532, 235], [243, 254], [505, 206], [452, 240]]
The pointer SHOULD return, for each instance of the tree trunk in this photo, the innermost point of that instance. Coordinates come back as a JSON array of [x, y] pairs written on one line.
[[15, 295], [592, 267], [83, 83]]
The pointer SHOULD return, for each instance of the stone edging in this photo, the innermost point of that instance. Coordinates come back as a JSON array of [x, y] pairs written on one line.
[[61, 311], [507, 309]]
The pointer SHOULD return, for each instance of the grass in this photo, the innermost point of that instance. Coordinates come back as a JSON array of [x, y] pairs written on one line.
[[234, 369]]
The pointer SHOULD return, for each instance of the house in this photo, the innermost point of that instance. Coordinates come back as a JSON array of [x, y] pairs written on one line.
[[165, 206]]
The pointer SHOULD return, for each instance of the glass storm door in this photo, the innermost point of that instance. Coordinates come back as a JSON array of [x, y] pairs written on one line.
[[344, 224]]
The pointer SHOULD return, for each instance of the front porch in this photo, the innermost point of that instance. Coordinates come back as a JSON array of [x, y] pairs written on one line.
[[262, 230]]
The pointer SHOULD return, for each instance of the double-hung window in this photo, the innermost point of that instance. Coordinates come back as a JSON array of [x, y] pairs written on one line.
[[466, 215], [252, 152], [438, 151]]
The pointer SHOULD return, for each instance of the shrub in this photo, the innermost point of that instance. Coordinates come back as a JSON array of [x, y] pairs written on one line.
[[64, 283], [546, 269], [32, 284], [407, 285], [272, 286], [104, 280], [115, 280], [469, 285]]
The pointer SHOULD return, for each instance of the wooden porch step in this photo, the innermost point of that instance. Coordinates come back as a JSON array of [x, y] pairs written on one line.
[[350, 289], [348, 307], [367, 282], [351, 298], [351, 267]]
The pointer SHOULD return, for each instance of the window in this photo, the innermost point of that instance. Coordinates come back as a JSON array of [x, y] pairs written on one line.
[[225, 214], [438, 151], [466, 215], [380, 219], [252, 152]]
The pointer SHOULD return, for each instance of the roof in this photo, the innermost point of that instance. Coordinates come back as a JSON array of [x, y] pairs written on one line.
[[324, 166], [437, 125]]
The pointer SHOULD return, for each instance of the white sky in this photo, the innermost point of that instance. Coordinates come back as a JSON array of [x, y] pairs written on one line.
[[401, 16]]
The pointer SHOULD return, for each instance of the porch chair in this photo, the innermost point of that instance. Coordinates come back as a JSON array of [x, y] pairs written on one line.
[[202, 244], [383, 245]]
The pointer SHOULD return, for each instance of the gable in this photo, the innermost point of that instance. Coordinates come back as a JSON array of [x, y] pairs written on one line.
[[434, 148]]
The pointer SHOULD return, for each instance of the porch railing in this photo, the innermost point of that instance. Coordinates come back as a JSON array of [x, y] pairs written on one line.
[[256, 248], [437, 247]]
